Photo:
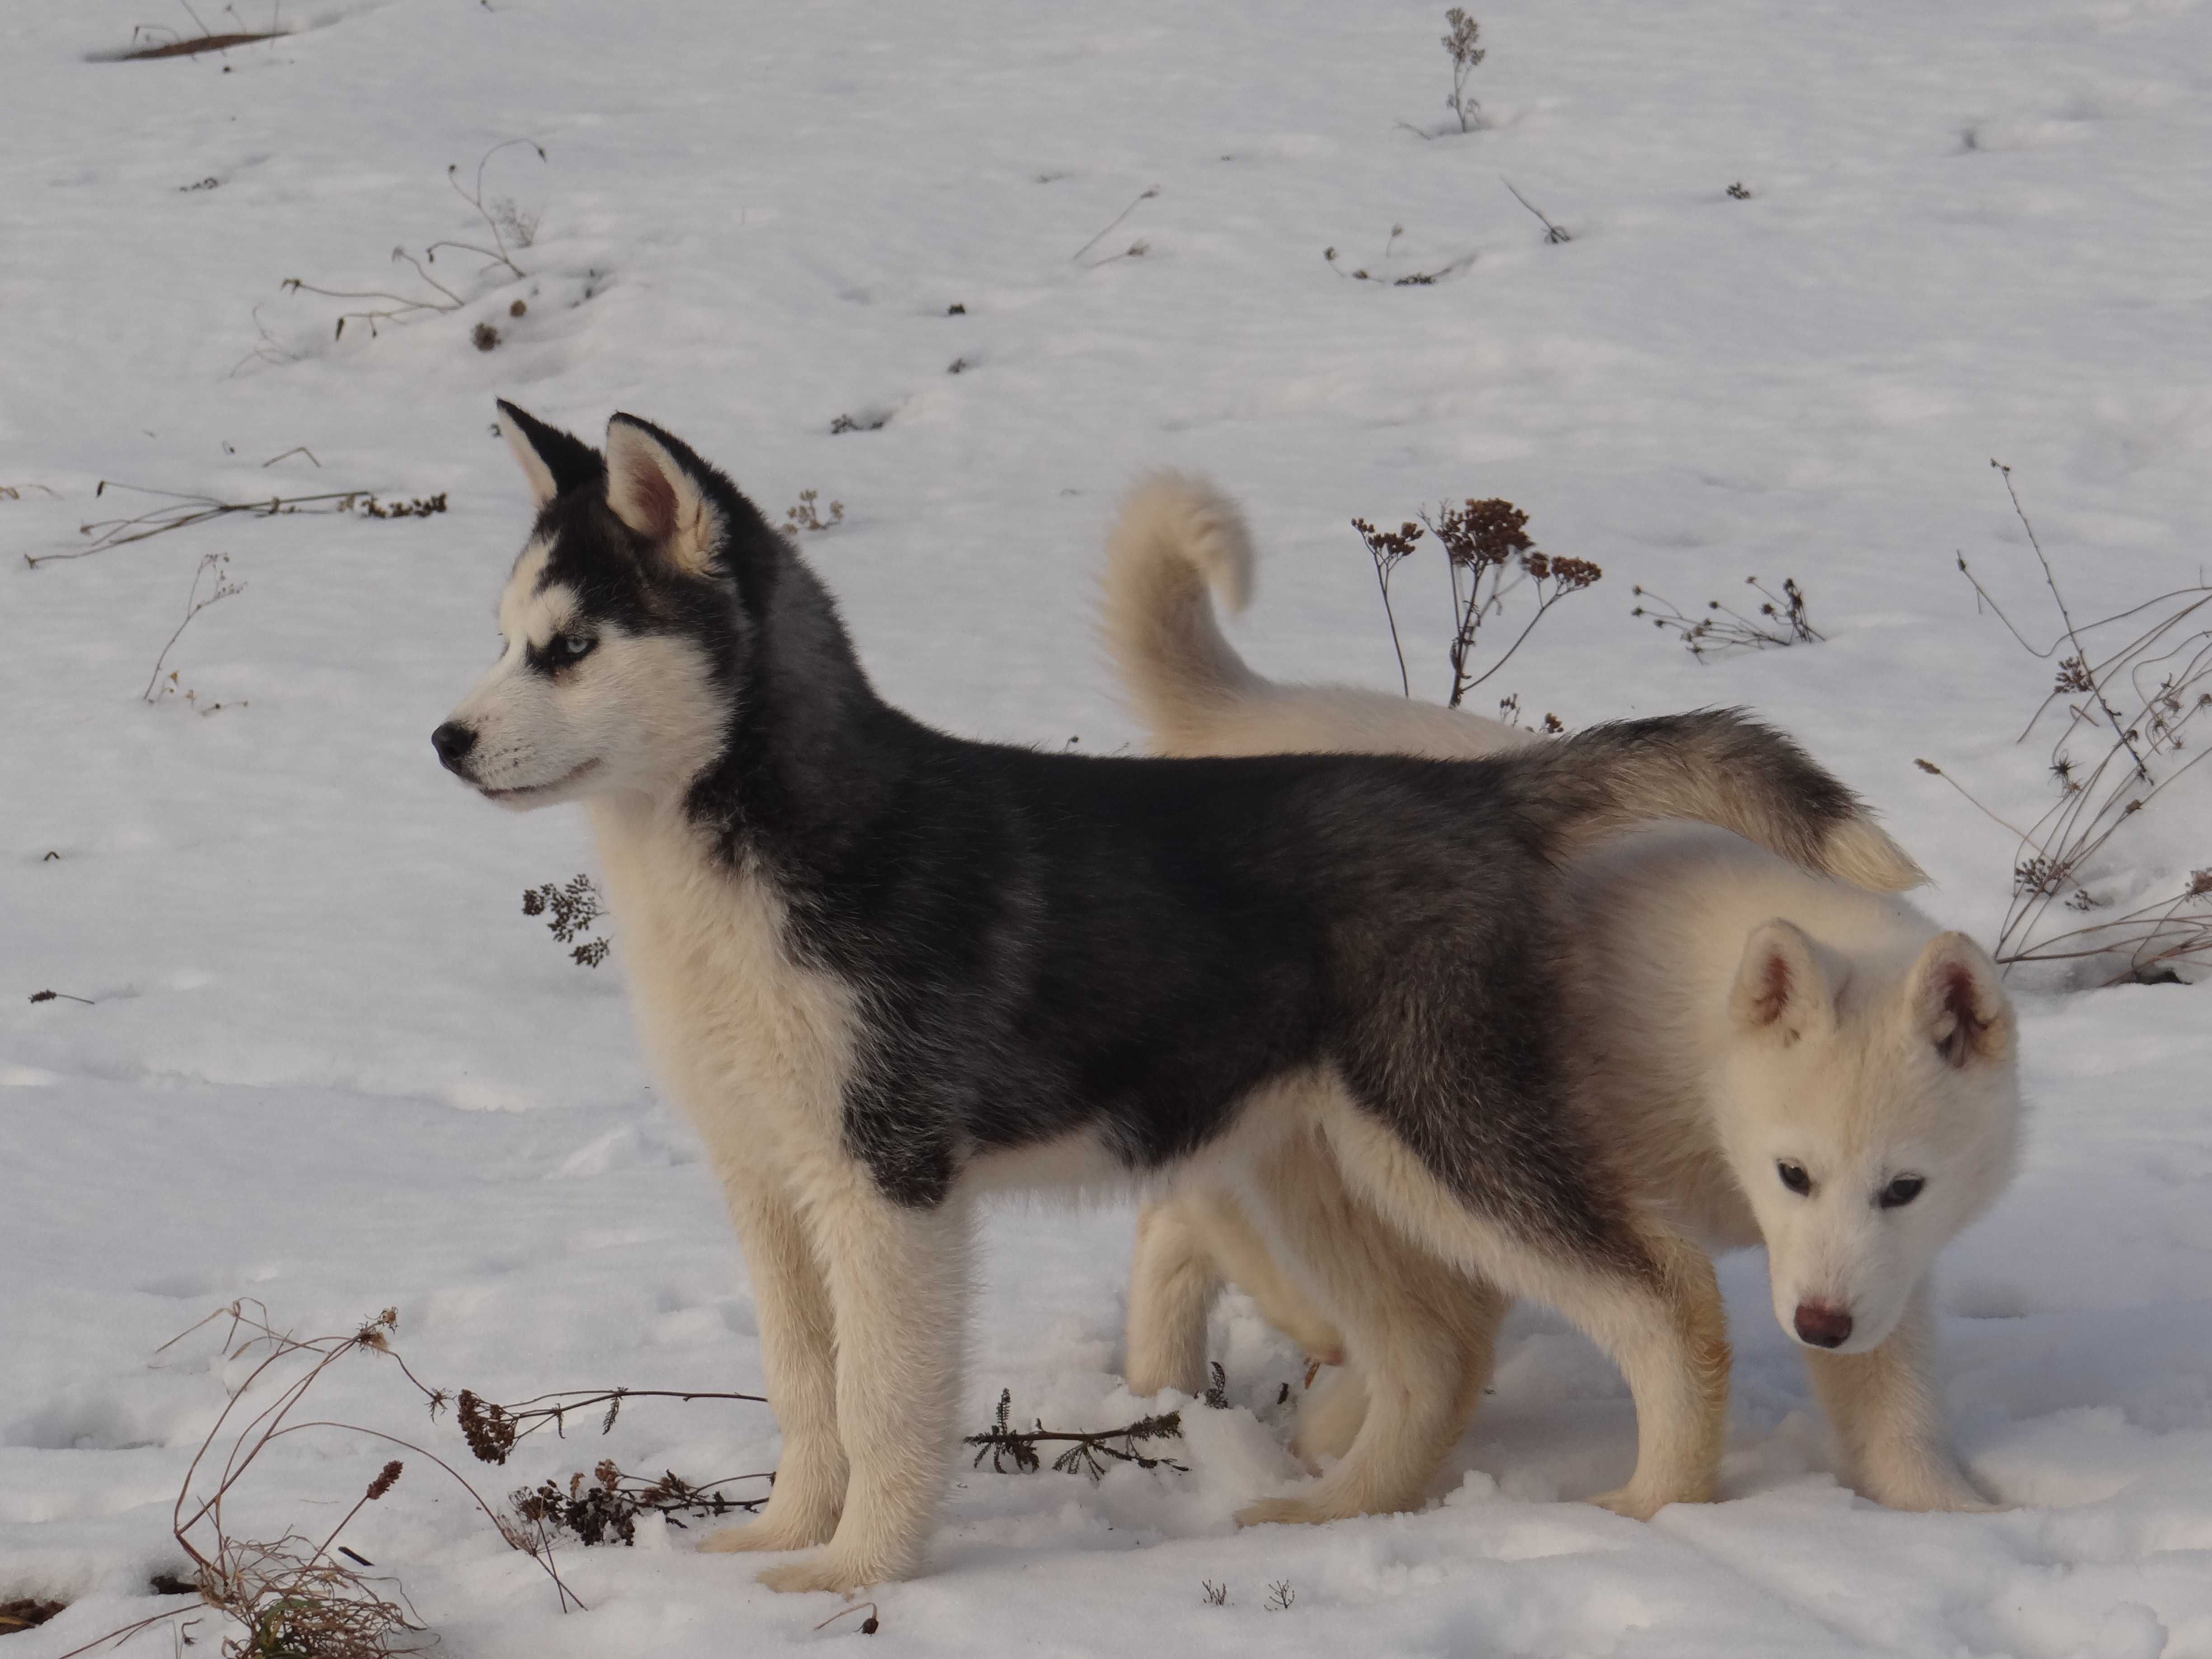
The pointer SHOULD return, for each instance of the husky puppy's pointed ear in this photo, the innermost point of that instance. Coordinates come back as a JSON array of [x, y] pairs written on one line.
[[553, 460], [1957, 1000], [657, 486], [1779, 987]]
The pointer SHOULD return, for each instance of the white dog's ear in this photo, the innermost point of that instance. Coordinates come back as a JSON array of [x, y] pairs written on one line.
[[655, 486], [1779, 987], [1958, 1000], [553, 460]]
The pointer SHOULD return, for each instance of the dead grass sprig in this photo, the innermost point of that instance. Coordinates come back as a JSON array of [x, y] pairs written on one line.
[[1782, 620], [1005, 1445], [2131, 687]]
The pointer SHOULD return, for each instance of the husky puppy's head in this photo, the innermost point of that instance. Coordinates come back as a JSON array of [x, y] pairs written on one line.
[[621, 629], [1870, 1111]]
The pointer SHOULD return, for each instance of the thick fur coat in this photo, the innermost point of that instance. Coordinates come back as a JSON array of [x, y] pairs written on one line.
[[1771, 1055], [885, 969]]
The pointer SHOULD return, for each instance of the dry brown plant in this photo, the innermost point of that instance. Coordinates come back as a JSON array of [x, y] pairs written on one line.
[[2127, 694]]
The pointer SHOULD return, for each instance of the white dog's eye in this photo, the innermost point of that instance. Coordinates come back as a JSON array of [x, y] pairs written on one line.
[[570, 648], [1900, 1192], [1793, 1177]]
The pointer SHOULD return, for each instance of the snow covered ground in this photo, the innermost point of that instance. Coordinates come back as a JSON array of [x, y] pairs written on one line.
[[327, 1063]]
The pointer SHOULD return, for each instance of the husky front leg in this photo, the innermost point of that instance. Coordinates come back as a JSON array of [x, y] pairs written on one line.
[[898, 1285], [798, 1355], [1888, 1422]]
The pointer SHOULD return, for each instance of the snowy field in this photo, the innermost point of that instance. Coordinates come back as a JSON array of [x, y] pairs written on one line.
[[323, 1060]]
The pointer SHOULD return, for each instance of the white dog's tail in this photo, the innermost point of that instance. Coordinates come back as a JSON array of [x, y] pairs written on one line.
[[1178, 537]]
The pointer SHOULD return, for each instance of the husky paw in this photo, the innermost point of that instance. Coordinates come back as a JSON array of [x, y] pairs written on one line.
[[1284, 1512], [1328, 1421], [1951, 1498], [771, 1532], [1635, 1504], [822, 1572]]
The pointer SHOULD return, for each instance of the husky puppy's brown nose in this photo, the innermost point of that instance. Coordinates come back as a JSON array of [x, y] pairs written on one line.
[[1822, 1326], [452, 741]]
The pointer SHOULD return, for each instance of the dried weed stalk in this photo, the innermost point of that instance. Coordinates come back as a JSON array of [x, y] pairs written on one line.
[[1553, 233], [183, 511], [807, 515], [1461, 44], [493, 1430], [1135, 250], [501, 216], [1486, 545], [573, 908], [1782, 619], [1410, 279], [2131, 685], [211, 564], [294, 1597], [1086, 1447], [603, 1507], [26, 1613]]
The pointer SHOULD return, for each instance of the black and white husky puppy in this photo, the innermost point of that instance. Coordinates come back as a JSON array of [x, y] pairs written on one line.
[[886, 970]]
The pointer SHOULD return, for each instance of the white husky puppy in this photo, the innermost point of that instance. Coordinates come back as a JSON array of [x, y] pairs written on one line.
[[1783, 1058]]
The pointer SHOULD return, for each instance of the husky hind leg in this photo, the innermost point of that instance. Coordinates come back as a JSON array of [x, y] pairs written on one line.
[[1650, 1300], [1421, 1344], [798, 1353], [1888, 1422], [1172, 1284], [899, 1281]]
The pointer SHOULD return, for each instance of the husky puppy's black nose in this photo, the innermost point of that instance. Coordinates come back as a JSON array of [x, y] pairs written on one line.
[[452, 741], [1822, 1326]]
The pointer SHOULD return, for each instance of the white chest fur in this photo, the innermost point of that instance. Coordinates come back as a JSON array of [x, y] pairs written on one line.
[[757, 1046]]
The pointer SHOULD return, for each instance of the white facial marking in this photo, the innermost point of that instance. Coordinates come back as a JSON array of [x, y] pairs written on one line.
[[1858, 1096], [637, 713]]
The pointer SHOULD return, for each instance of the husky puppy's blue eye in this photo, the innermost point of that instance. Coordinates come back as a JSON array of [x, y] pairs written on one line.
[[1900, 1192], [1793, 1177], [570, 648]]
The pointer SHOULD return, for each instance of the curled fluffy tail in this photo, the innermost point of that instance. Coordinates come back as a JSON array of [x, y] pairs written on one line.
[[1178, 537], [1717, 766]]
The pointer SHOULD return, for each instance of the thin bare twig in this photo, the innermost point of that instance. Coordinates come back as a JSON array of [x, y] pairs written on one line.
[[1143, 197], [1552, 232], [216, 564], [1086, 1447], [187, 510]]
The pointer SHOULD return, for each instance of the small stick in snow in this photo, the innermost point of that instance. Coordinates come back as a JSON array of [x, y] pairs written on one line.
[[869, 1626], [1076, 256], [1552, 232]]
